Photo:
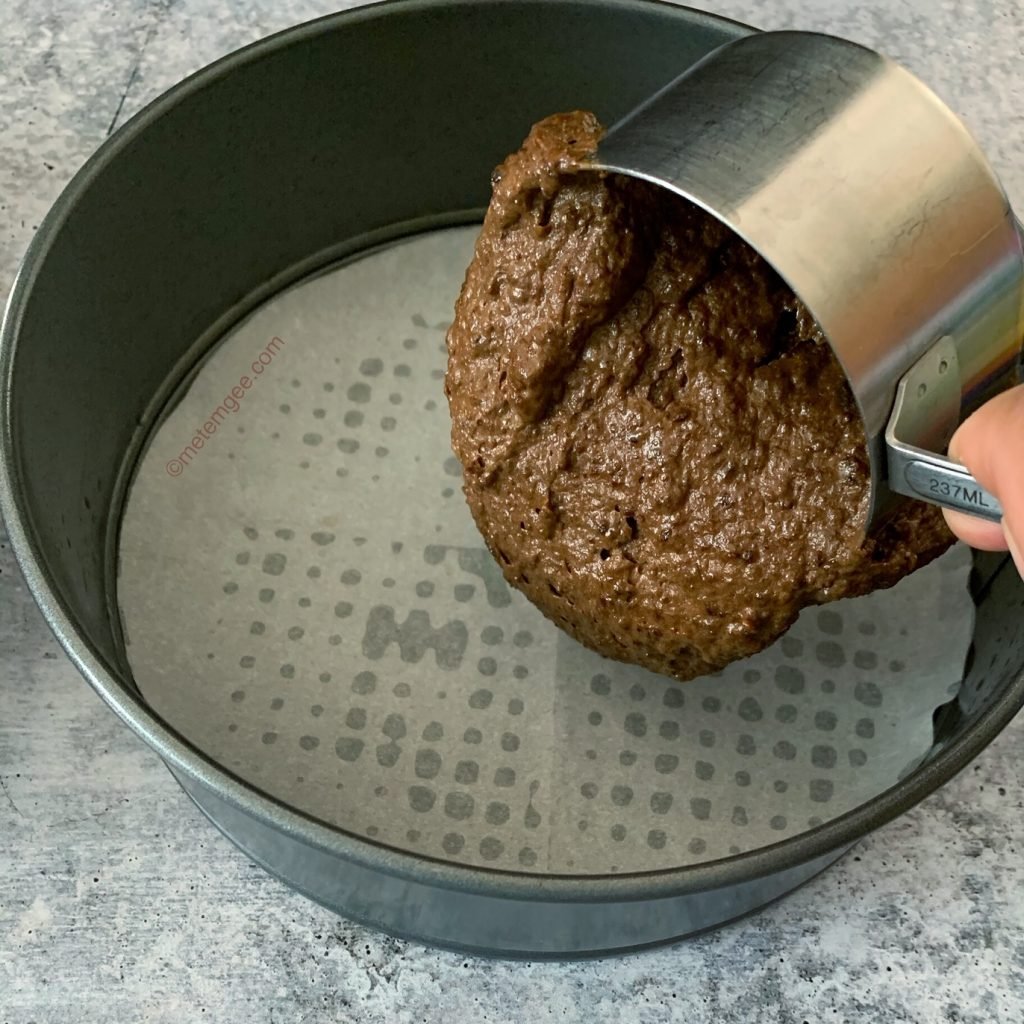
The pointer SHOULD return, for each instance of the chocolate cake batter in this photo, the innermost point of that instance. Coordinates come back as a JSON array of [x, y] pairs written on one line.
[[658, 445]]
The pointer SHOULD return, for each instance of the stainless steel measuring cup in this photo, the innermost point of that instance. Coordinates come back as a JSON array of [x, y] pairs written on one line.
[[873, 202]]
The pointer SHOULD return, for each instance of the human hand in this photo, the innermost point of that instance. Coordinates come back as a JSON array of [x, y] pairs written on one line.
[[990, 443]]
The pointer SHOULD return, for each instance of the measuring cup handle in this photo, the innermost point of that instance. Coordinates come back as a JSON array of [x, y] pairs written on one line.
[[941, 481], [924, 416]]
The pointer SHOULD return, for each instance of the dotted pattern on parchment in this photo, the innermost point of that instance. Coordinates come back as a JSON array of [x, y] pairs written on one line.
[[308, 601]]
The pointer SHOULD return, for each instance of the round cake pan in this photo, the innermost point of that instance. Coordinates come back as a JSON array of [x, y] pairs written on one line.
[[227, 479]]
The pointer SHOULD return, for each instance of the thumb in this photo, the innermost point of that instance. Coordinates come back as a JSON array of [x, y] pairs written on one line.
[[990, 443]]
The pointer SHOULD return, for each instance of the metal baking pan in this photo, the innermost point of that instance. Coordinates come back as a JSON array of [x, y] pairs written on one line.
[[276, 583]]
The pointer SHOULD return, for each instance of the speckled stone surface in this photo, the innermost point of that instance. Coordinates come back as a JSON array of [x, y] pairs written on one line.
[[118, 902]]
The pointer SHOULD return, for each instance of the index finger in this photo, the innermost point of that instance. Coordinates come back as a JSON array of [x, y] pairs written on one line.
[[990, 443]]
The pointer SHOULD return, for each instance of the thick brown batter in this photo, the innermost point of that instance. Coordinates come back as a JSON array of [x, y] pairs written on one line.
[[658, 444]]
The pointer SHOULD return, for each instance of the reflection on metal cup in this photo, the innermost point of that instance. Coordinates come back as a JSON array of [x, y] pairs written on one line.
[[874, 204]]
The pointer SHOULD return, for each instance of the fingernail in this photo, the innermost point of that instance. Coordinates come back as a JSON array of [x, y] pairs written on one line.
[[953, 451]]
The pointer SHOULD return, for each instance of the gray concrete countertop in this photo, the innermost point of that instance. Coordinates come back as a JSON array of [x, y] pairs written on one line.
[[118, 902]]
